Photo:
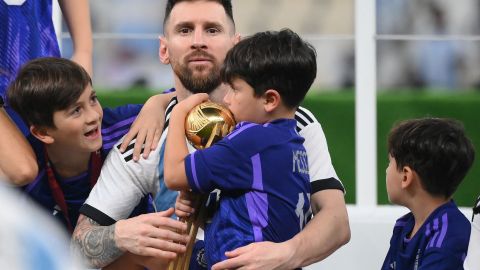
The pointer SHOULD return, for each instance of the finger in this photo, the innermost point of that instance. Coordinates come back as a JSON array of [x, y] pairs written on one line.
[[157, 253], [182, 214], [148, 143], [237, 252], [156, 138], [166, 244], [165, 234], [139, 144], [128, 138], [228, 264]]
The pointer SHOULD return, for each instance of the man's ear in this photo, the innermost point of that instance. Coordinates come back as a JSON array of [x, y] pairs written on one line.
[[408, 177], [163, 51], [42, 134], [271, 99], [236, 38]]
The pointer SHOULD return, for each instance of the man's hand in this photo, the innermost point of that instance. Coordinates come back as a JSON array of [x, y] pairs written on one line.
[[260, 255], [147, 128], [153, 235]]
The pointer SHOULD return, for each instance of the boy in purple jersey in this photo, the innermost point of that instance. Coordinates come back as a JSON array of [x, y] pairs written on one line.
[[55, 97], [261, 168], [429, 158]]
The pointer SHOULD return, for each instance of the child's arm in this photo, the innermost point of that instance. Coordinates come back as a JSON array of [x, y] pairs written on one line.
[[17, 159], [176, 148], [77, 16], [148, 126]]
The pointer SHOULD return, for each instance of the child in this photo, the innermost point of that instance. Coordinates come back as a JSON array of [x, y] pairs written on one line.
[[55, 97], [261, 168], [428, 160]]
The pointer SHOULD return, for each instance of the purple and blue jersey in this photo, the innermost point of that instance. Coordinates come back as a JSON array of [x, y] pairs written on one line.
[[26, 33], [115, 124], [440, 243], [262, 173]]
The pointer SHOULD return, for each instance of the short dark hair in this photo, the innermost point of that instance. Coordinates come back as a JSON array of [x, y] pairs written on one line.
[[438, 150], [273, 60], [44, 86], [226, 4]]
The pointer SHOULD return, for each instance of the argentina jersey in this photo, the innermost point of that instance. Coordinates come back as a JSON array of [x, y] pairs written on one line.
[[262, 173], [440, 243], [26, 32]]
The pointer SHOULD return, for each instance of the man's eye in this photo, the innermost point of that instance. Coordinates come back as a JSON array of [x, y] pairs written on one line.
[[184, 30], [212, 30]]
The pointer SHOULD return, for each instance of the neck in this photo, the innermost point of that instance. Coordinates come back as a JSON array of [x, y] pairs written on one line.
[[279, 113], [65, 163], [423, 208]]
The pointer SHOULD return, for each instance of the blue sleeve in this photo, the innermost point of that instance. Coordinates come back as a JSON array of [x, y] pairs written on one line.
[[116, 123], [219, 166]]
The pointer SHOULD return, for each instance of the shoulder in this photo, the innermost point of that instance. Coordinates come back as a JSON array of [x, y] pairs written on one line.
[[304, 118]]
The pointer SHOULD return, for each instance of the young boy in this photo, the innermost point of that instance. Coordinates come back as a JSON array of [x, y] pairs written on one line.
[[261, 168], [428, 160], [72, 134]]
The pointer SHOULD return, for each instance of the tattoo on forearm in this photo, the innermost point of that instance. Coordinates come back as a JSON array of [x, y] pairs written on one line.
[[96, 243]]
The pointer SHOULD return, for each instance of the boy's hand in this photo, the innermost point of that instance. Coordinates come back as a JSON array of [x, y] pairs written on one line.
[[184, 205], [147, 128], [187, 104]]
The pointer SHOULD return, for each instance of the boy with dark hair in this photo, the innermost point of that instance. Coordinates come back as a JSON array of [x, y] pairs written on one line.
[[261, 168], [428, 160], [55, 97]]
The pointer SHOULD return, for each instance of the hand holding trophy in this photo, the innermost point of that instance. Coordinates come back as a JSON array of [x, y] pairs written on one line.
[[205, 124]]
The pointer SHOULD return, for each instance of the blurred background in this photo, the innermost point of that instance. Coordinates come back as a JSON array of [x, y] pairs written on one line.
[[427, 53]]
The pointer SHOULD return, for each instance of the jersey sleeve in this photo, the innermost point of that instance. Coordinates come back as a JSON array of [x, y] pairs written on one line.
[[116, 123], [322, 173], [121, 186], [438, 259], [212, 168]]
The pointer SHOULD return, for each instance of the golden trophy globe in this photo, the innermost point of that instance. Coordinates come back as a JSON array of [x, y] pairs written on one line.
[[208, 123]]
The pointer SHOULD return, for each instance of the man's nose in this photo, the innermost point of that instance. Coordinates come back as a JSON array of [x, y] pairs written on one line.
[[199, 39]]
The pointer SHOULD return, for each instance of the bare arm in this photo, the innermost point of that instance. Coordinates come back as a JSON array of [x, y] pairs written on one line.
[[77, 16], [152, 235], [325, 233], [176, 148], [148, 126], [17, 159]]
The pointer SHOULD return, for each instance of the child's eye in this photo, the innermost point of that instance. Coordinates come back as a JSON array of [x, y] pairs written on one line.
[[94, 99], [76, 111]]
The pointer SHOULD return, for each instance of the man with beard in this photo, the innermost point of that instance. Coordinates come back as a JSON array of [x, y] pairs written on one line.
[[198, 34]]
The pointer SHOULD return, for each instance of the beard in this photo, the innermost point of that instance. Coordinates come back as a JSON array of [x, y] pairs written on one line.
[[204, 82]]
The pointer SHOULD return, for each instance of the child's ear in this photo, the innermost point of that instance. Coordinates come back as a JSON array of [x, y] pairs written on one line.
[[163, 51], [272, 100], [408, 176], [42, 134]]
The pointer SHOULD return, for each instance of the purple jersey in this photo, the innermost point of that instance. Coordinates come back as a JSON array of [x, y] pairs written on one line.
[[26, 33], [262, 172], [441, 242]]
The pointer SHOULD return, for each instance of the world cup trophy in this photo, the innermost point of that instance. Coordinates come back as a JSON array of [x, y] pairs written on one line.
[[205, 124]]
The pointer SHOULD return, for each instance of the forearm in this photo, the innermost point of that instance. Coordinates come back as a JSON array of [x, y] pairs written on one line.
[[325, 233], [17, 159], [77, 17], [175, 152], [95, 243]]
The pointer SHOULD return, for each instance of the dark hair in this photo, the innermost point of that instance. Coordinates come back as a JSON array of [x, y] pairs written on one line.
[[273, 60], [46, 85], [436, 149], [227, 5]]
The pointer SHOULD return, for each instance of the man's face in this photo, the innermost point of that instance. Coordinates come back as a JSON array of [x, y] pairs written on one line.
[[198, 35]]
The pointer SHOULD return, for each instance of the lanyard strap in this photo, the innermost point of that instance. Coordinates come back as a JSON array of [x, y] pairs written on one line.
[[57, 192]]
